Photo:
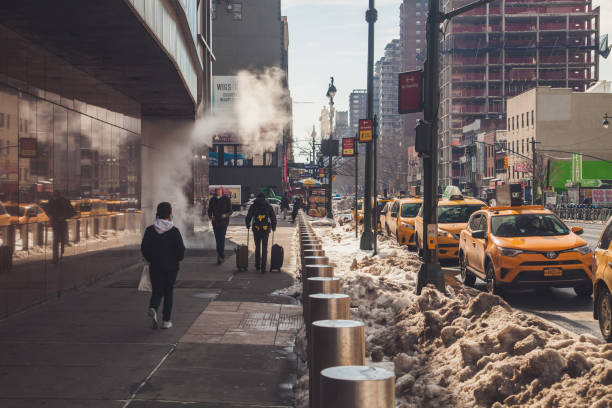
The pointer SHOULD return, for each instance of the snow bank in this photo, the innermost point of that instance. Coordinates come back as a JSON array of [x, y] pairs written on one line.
[[463, 350]]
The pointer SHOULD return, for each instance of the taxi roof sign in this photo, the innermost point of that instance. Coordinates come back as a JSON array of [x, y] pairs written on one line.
[[452, 193]]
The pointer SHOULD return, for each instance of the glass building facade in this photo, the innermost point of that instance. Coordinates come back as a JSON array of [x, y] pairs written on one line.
[[62, 130]]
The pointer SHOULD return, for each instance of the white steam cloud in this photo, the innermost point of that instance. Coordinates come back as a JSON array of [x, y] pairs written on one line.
[[259, 115]]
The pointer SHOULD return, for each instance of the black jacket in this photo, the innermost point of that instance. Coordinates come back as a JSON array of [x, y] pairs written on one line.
[[284, 203], [259, 207], [217, 207], [163, 251], [59, 210], [297, 204]]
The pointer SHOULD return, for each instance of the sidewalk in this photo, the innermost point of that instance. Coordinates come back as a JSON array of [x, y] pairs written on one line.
[[231, 344]]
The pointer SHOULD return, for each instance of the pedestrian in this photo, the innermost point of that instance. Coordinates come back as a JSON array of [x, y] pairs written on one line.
[[219, 211], [162, 246], [261, 216], [297, 204], [59, 210], [285, 205]]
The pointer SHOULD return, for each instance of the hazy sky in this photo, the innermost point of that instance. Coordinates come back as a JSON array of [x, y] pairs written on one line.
[[329, 38]]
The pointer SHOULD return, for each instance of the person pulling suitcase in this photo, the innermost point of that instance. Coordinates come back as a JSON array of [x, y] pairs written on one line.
[[263, 220]]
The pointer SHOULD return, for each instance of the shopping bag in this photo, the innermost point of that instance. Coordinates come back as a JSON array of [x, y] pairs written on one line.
[[145, 280]]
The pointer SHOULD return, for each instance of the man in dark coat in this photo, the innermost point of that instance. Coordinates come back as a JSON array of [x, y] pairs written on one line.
[[162, 246], [261, 216], [284, 206], [297, 204], [219, 211], [59, 210]]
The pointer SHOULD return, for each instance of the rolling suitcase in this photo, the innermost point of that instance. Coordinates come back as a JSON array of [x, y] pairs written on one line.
[[242, 255], [276, 256]]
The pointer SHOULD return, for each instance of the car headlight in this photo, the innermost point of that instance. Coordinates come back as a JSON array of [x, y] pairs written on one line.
[[583, 250], [409, 226], [444, 233], [509, 251]]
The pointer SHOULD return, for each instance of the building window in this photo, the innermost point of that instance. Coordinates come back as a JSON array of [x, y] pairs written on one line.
[[532, 119], [418, 41], [418, 22], [418, 32], [418, 50], [237, 11], [513, 123], [522, 145], [522, 120], [418, 13], [418, 5], [527, 119]]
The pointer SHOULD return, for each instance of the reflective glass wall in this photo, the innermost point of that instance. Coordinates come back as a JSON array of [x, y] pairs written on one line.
[[62, 131]]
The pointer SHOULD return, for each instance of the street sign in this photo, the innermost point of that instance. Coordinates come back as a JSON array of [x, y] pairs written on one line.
[[365, 130], [28, 148], [348, 147], [591, 183], [576, 167], [410, 92]]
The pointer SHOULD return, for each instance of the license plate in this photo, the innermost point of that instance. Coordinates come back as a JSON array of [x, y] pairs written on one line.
[[553, 272]]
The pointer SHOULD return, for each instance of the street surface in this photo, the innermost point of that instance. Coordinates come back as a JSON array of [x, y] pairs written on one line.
[[558, 305]]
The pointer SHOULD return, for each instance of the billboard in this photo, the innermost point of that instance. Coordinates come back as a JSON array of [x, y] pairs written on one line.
[[224, 93], [234, 192]]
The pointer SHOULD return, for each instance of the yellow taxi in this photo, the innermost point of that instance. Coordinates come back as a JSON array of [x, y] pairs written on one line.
[[602, 282], [454, 211], [92, 206], [25, 213], [408, 210], [358, 212], [5, 218], [524, 246]]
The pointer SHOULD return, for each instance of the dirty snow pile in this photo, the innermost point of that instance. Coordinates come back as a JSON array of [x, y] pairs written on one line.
[[465, 349]]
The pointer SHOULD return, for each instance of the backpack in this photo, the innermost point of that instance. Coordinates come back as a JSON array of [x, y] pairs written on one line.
[[261, 222]]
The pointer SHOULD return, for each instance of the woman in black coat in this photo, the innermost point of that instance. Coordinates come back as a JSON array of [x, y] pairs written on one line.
[[162, 246]]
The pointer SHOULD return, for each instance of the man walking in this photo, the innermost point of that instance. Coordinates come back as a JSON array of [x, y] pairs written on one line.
[[219, 211], [261, 216], [284, 205], [297, 204], [59, 210]]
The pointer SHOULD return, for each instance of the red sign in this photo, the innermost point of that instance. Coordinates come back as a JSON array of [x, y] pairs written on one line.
[[285, 172], [226, 138], [348, 147], [321, 172], [365, 130], [28, 148], [410, 92]]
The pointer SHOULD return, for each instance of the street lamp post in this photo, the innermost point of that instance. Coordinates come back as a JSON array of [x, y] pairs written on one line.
[[331, 92]]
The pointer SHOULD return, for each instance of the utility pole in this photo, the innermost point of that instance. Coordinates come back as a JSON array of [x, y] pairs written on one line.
[[534, 161], [431, 271], [366, 237], [331, 92], [356, 147], [375, 185]]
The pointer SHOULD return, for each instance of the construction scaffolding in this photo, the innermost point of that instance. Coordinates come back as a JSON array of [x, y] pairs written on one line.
[[500, 50]]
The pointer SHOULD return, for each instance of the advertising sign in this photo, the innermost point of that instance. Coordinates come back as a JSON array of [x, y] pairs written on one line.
[[348, 147], [410, 92], [224, 93], [365, 131], [233, 192], [602, 197], [28, 148], [576, 168]]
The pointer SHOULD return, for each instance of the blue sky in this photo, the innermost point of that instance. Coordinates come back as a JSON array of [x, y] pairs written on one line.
[[329, 38]]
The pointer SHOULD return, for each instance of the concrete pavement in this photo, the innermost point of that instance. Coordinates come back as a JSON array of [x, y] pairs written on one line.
[[231, 344]]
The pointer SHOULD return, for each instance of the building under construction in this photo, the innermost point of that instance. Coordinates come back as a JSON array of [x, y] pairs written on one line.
[[502, 49]]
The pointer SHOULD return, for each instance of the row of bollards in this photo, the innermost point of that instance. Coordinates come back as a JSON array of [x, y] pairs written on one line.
[[338, 376]]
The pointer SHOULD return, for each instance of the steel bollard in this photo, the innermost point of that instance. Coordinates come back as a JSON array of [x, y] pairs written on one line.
[[317, 284], [315, 260], [313, 252], [311, 246], [327, 306], [357, 387], [334, 343]]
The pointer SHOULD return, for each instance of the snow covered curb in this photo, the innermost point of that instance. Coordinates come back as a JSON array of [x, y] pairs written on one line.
[[464, 349]]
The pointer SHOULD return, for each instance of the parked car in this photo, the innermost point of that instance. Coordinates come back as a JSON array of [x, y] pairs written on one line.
[[524, 246], [602, 282]]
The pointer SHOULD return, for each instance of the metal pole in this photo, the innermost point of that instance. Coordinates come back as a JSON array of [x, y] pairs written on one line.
[[534, 182], [329, 165], [356, 147], [375, 183], [366, 237], [430, 271]]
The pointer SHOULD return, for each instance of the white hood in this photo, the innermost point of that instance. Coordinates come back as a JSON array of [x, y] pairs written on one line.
[[162, 225]]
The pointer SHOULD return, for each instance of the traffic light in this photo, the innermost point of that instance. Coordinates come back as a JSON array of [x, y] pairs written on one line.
[[506, 162]]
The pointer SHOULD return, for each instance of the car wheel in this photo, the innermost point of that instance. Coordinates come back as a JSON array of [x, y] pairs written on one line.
[[585, 290], [466, 276], [492, 286], [420, 250], [604, 312]]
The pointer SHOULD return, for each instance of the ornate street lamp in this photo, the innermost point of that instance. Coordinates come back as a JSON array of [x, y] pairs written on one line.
[[331, 92]]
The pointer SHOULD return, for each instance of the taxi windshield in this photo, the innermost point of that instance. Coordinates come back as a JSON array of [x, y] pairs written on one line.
[[456, 213], [527, 225], [410, 210], [15, 211]]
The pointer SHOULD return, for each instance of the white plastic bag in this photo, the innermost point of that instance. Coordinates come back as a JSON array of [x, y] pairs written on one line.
[[145, 280]]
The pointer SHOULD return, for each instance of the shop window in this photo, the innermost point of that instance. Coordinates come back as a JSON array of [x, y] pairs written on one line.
[[213, 156], [244, 158], [237, 11], [229, 155]]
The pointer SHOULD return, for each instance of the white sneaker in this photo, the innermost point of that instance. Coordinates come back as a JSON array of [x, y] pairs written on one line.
[[153, 317], [166, 325]]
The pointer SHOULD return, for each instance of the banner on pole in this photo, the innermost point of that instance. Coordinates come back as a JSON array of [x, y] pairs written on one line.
[[365, 130], [410, 93], [348, 147]]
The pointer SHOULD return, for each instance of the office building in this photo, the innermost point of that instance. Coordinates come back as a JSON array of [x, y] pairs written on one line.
[[358, 108]]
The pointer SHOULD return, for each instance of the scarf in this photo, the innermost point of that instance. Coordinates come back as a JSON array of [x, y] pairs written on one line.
[[162, 225]]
